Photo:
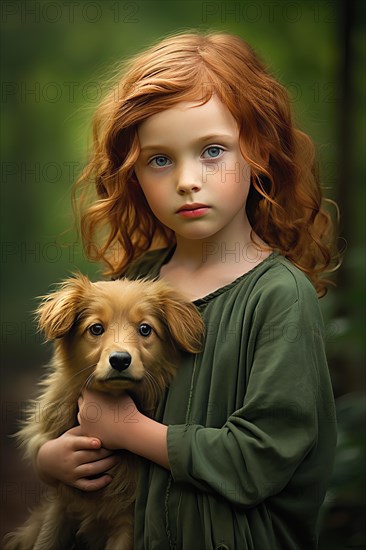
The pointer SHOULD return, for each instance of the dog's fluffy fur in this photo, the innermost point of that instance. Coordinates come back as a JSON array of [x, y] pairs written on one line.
[[124, 309]]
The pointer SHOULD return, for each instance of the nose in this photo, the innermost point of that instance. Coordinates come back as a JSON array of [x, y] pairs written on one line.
[[120, 360], [189, 180]]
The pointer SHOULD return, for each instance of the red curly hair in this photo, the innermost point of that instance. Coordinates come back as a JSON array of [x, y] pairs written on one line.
[[285, 205]]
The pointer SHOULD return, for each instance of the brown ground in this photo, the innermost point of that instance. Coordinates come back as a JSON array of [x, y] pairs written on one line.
[[20, 488]]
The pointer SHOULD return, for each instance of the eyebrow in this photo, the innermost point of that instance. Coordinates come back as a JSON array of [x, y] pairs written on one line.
[[199, 140]]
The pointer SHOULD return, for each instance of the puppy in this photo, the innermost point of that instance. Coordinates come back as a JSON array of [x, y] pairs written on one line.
[[109, 336]]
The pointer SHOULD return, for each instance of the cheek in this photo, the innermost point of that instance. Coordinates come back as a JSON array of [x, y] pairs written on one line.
[[151, 189], [156, 197], [234, 179], [246, 173], [234, 170], [88, 351], [152, 195]]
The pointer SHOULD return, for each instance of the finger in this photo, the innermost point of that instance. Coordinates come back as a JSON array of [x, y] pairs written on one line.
[[85, 442], [97, 467], [90, 485], [85, 457], [76, 430], [81, 441]]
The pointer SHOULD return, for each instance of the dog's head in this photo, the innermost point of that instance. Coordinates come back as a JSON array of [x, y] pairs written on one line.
[[116, 334]]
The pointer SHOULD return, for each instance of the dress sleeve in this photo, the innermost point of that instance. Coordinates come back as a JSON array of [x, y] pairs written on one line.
[[256, 452]]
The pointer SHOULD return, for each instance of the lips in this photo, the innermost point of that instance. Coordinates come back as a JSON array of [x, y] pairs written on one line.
[[192, 206], [193, 210]]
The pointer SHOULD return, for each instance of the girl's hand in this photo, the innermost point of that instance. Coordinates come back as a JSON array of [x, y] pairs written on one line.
[[72, 458], [108, 418], [119, 425]]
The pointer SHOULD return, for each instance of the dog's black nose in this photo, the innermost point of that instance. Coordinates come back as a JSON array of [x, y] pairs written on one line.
[[120, 360]]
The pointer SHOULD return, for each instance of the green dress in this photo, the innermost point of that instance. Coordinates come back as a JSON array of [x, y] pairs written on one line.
[[251, 421]]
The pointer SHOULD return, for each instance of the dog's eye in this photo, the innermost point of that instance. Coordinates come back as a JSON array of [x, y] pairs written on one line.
[[97, 329], [145, 329]]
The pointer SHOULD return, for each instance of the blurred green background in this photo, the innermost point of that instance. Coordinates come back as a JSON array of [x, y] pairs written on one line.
[[56, 57]]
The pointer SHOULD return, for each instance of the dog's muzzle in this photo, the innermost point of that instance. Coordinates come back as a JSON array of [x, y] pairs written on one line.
[[120, 360]]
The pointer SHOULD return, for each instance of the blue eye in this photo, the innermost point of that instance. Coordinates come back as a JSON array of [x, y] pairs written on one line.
[[159, 162], [214, 152]]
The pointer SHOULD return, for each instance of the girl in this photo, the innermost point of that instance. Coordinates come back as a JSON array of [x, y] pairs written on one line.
[[203, 181]]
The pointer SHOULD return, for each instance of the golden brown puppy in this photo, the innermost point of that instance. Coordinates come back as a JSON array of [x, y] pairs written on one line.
[[112, 336]]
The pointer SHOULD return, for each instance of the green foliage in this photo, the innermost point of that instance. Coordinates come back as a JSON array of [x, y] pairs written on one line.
[[344, 508]]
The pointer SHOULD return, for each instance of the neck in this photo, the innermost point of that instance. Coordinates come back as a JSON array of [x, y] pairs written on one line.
[[218, 248]]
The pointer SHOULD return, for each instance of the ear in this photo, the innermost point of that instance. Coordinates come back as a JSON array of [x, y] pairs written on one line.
[[57, 312], [184, 322]]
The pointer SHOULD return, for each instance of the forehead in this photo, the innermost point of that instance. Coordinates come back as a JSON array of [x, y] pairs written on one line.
[[121, 298], [188, 121]]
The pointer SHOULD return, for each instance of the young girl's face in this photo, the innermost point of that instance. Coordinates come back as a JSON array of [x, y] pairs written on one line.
[[191, 170]]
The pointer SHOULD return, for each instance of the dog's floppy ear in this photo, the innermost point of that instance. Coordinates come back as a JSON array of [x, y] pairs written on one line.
[[58, 310], [184, 322]]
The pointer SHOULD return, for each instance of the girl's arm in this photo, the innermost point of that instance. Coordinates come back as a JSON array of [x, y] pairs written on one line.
[[72, 458], [119, 425]]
